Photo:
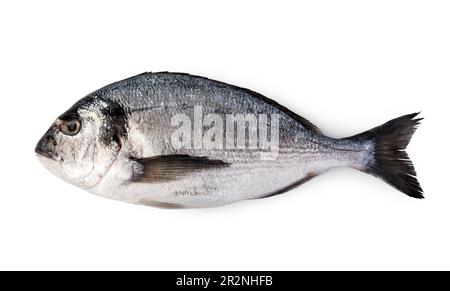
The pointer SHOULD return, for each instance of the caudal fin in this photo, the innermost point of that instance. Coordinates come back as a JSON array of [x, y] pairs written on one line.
[[390, 161]]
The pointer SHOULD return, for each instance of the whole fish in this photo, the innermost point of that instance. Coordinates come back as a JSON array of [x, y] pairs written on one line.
[[176, 140]]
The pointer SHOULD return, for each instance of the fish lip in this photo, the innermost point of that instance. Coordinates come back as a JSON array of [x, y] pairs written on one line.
[[43, 153]]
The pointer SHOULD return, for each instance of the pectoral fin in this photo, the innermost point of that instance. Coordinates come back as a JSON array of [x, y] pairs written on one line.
[[172, 167]]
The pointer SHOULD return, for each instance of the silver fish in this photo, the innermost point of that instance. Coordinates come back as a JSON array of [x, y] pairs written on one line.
[[176, 140]]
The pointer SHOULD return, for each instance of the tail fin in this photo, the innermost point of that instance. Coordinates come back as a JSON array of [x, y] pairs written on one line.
[[390, 161]]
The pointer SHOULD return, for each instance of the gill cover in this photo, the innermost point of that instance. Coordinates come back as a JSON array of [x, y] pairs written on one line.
[[82, 156]]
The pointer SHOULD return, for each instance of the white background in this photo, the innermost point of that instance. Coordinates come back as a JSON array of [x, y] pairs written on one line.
[[345, 65]]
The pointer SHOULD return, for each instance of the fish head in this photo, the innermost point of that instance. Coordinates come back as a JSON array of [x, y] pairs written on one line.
[[83, 143]]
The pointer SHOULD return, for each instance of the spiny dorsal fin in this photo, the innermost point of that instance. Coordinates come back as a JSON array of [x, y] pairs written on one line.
[[306, 123], [172, 167], [303, 121]]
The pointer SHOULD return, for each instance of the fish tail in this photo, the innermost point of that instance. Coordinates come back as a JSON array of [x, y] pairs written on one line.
[[389, 160]]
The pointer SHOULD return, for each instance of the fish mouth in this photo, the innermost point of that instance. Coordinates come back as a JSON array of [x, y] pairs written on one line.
[[41, 152]]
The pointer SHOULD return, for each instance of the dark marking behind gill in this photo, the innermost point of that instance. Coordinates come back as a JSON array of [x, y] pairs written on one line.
[[115, 116]]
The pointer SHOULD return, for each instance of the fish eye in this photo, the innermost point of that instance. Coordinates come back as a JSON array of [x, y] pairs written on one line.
[[70, 127]]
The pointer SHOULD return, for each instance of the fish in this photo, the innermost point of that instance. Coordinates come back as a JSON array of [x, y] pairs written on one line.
[[175, 140]]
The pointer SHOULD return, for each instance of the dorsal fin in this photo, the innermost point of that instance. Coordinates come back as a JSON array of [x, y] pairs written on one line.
[[306, 123], [303, 121]]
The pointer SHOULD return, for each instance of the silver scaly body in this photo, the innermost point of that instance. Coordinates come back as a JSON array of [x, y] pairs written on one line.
[[152, 99], [117, 142]]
